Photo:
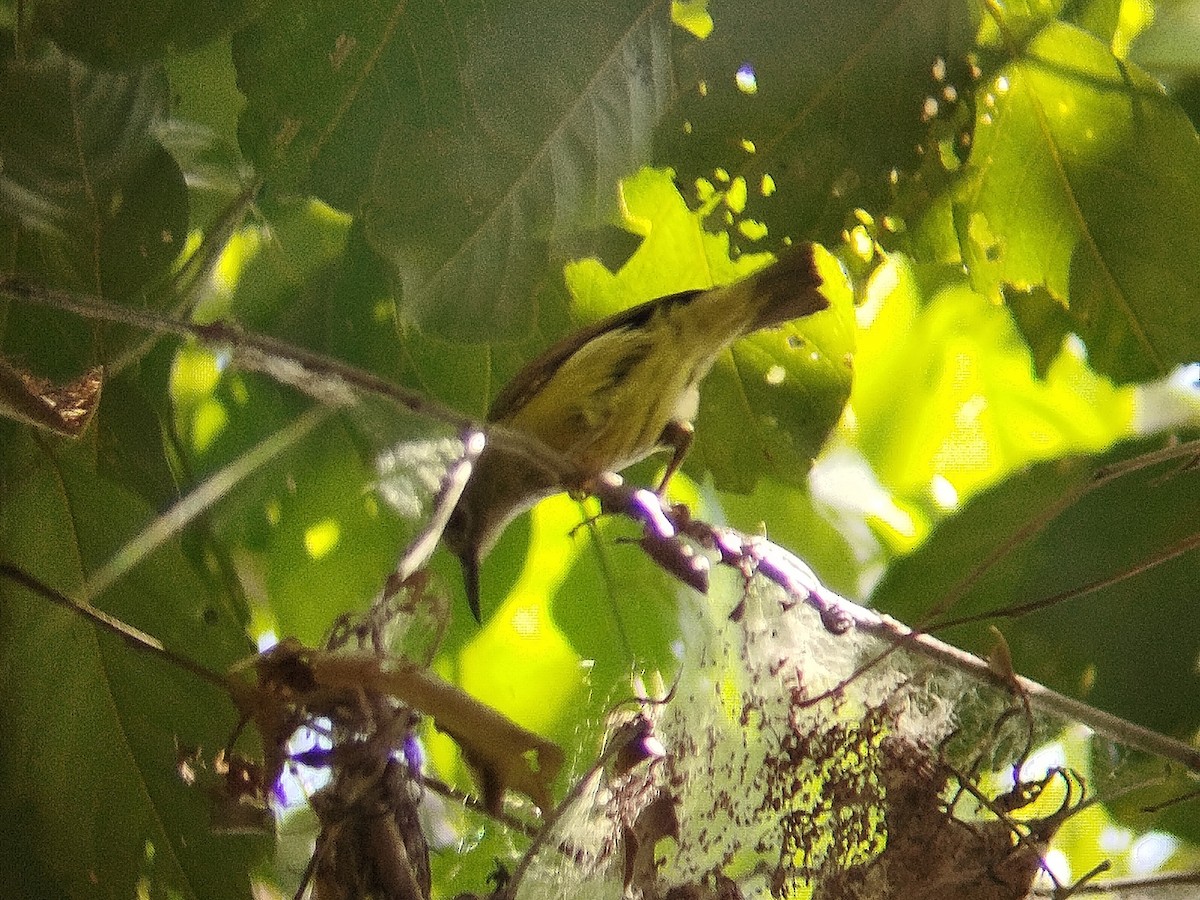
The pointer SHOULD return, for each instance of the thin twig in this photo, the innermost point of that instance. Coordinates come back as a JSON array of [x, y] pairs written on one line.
[[192, 277], [837, 614], [325, 377], [1101, 476], [1024, 609], [1043, 698], [477, 805], [193, 504], [134, 637], [1143, 883], [421, 547]]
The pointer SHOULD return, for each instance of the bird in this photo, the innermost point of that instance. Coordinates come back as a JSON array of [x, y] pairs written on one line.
[[615, 392]]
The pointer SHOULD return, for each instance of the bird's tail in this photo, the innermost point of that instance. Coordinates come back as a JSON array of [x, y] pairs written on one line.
[[789, 288]]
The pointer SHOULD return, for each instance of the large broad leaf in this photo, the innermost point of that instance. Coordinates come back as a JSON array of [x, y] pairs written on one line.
[[476, 140], [773, 397], [1083, 179], [92, 800], [90, 200], [121, 33], [94, 196], [812, 104]]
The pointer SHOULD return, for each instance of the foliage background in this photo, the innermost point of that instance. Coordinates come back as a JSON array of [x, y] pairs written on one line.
[[443, 190]]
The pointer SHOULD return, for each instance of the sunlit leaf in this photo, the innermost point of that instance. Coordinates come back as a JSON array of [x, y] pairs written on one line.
[[769, 405], [947, 390], [1082, 178]]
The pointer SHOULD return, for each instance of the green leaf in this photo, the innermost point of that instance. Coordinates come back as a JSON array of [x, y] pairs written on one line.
[[1018, 21], [1171, 42], [95, 198], [1043, 323], [828, 101], [202, 133], [91, 799], [315, 77], [118, 33], [771, 400], [770, 403], [332, 541], [476, 142], [1083, 178], [617, 609], [946, 388], [91, 200], [131, 434]]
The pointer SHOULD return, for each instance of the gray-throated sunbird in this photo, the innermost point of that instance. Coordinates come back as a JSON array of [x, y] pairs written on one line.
[[611, 394]]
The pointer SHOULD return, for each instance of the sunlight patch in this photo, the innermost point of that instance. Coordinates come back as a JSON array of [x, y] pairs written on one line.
[[746, 80], [207, 424], [944, 493], [320, 539], [693, 17]]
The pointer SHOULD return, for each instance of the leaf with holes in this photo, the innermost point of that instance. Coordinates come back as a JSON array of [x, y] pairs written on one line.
[[1083, 178]]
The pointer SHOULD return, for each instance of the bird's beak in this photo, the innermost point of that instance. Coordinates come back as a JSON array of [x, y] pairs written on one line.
[[470, 567]]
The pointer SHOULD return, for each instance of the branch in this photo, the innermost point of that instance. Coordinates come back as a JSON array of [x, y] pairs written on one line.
[[664, 527], [1143, 885], [132, 636], [322, 377]]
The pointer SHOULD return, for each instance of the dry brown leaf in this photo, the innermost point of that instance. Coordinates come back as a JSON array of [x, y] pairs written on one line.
[[291, 676], [64, 409]]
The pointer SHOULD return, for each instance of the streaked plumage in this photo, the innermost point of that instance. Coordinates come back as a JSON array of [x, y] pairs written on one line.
[[611, 394]]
